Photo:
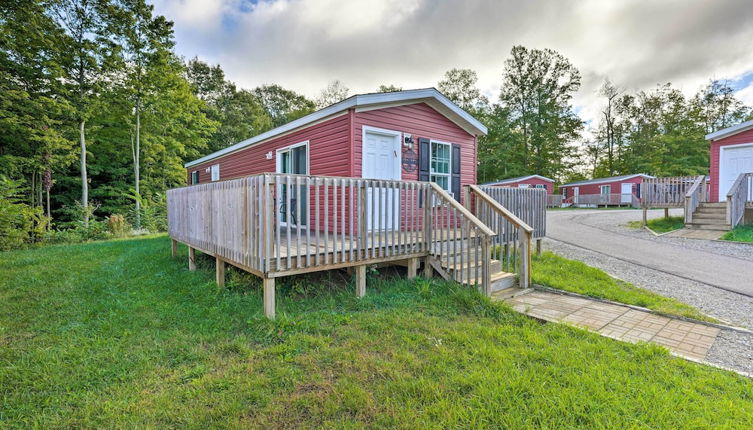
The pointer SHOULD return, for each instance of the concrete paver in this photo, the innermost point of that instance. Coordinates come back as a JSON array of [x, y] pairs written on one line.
[[682, 338]]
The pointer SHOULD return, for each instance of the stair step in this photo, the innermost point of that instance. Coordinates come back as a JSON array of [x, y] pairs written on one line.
[[509, 293], [709, 221], [698, 226], [494, 267], [713, 205], [499, 281], [701, 217]]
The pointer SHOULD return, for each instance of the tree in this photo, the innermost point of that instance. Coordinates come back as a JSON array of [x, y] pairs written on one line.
[[145, 40], [459, 85], [717, 107], [608, 133], [32, 107], [335, 92], [283, 105], [537, 90], [84, 67], [388, 88]]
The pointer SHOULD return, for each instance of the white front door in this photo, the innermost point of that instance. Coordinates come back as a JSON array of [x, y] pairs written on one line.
[[733, 161], [626, 192], [576, 193], [381, 160]]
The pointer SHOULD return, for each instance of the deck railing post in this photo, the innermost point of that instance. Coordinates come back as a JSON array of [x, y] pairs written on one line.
[[268, 209], [485, 271], [363, 227], [427, 220]]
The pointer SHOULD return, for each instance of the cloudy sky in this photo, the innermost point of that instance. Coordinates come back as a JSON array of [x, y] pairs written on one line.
[[304, 44]]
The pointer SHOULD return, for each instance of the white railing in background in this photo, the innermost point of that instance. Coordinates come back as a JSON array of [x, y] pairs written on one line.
[[738, 197], [513, 238], [603, 200], [695, 195], [554, 200]]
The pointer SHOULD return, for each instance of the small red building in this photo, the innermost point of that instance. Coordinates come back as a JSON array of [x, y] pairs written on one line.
[[615, 190], [404, 135], [731, 155], [530, 181]]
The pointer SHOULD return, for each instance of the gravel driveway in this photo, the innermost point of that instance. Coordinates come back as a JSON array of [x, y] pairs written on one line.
[[600, 238]]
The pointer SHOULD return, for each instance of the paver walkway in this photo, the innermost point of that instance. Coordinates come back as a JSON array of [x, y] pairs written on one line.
[[683, 338]]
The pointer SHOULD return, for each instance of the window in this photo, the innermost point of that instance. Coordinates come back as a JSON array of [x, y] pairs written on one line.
[[540, 186], [216, 172], [606, 190], [194, 177], [440, 164], [524, 186]]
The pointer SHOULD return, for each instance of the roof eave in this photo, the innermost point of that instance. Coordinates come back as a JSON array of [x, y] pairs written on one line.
[[729, 131]]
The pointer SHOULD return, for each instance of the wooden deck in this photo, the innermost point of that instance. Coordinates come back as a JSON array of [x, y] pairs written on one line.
[[277, 225]]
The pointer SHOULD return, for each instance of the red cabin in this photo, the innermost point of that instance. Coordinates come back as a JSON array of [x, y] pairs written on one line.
[[731, 155], [405, 135], [615, 190], [530, 181]]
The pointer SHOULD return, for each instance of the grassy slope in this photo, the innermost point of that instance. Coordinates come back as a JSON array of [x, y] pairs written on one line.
[[741, 233], [557, 272], [116, 334], [661, 225]]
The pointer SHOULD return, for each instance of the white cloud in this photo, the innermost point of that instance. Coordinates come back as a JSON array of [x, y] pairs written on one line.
[[303, 45]]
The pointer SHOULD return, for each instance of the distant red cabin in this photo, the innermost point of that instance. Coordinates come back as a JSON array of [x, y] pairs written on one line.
[[731, 155], [530, 181], [612, 190], [404, 135]]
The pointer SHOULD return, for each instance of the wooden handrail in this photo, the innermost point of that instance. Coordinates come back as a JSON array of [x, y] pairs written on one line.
[[509, 216], [460, 208], [694, 187], [733, 190]]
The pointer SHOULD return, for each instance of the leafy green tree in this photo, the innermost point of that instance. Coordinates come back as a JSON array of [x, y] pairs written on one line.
[[537, 90], [460, 86], [85, 65], [717, 107], [334, 92], [32, 110], [283, 105], [388, 88]]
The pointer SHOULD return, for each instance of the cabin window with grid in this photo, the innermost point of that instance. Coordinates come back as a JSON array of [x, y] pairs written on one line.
[[194, 177], [440, 164]]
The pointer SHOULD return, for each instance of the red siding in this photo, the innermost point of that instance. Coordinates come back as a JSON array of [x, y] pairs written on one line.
[[736, 139], [596, 188], [329, 151], [419, 120], [532, 182]]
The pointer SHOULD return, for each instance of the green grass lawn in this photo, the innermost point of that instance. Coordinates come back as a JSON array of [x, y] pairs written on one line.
[[661, 225], [741, 233], [117, 334], [561, 273]]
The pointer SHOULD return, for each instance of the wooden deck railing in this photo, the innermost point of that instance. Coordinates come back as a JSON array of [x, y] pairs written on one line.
[[276, 225], [739, 196], [459, 240], [695, 195], [528, 204], [603, 200], [668, 192], [513, 238]]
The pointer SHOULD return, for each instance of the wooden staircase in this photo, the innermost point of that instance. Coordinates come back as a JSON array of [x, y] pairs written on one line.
[[710, 216], [467, 272]]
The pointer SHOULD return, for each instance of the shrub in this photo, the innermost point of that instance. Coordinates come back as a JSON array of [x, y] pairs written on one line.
[[20, 223], [117, 225]]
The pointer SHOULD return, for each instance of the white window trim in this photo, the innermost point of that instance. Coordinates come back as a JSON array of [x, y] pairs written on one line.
[[608, 187], [194, 172], [398, 135], [449, 170], [540, 186], [722, 194], [279, 151], [212, 169], [524, 186]]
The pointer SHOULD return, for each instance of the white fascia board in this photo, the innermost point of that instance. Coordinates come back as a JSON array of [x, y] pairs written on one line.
[[462, 118], [729, 131]]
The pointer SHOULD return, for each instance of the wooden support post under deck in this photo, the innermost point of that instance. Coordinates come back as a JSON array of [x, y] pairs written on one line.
[[645, 216], [269, 297], [666, 212], [361, 280], [412, 268], [191, 258], [428, 270], [538, 246], [173, 247], [220, 271]]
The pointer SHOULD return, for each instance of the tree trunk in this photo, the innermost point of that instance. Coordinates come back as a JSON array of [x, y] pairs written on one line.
[[137, 165], [84, 180]]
